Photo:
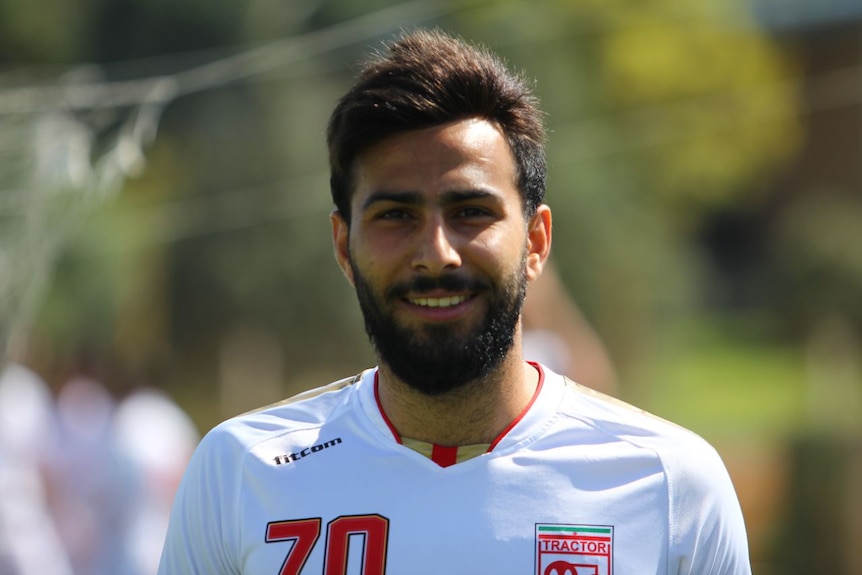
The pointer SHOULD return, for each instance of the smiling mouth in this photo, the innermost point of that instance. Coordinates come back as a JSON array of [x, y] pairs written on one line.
[[450, 301]]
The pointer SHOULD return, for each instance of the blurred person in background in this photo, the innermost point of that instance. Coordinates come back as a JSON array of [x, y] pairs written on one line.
[[29, 541], [157, 439], [453, 454], [122, 446], [89, 481], [557, 334]]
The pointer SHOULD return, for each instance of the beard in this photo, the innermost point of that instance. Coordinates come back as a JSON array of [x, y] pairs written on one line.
[[436, 359]]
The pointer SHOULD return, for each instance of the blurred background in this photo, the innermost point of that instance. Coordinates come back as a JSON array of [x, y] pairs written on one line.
[[166, 262]]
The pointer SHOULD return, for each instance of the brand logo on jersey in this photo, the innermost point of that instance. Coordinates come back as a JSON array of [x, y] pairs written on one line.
[[288, 457], [574, 549]]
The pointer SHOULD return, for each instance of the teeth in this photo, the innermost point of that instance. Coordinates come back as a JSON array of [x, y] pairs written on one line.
[[439, 302]]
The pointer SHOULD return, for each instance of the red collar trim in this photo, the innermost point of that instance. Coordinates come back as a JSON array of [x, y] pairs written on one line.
[[380, 407], [526, 408], [447, 455]]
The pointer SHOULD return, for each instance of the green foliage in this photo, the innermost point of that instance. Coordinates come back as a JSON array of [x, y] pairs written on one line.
[[43, 31], [723, 380], [815, 257], [659, 116], [662, 117]]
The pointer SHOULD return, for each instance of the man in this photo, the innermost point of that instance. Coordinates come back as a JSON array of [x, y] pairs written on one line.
[[453, 455]]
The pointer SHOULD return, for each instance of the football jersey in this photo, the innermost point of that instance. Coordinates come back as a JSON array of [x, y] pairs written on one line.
[[579, 484]]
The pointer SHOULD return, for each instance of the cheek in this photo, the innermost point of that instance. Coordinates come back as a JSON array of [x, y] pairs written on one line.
[[368, 260], [501, 252]]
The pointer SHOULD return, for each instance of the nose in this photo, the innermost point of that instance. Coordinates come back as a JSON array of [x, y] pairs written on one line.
[[436, 250]]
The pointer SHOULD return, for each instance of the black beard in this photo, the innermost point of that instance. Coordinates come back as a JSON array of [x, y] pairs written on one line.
[[439, 358]]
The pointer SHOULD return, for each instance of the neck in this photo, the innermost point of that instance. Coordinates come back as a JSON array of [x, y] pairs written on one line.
[[475, 413]]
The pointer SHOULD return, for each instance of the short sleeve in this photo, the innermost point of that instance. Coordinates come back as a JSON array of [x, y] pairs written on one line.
[[708, 535], [201, 535]]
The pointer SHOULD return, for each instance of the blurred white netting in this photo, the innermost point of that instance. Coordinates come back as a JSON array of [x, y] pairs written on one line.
[[68, 145], [57, 163]]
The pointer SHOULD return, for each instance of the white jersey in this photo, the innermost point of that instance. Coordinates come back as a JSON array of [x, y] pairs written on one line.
[[580, 484]]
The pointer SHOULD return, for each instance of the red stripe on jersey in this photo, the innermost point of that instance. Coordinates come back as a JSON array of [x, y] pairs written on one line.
[[525, 410], [444, 456], [380, 407]]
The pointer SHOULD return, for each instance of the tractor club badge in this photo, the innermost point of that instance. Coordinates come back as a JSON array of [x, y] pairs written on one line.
[[574, 549]]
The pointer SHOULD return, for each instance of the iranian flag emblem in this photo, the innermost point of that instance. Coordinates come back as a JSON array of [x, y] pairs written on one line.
[[574, 549]]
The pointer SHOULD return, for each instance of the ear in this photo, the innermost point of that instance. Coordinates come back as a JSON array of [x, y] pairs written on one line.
[[341, 243], [538, 241]]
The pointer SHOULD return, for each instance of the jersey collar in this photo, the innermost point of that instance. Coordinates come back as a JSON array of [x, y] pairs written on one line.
[[445, 456]]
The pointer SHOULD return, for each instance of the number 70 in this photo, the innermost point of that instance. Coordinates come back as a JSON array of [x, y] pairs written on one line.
[[305, 532]]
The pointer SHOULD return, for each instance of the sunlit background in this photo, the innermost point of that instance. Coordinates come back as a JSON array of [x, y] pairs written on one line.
[[164, 212]]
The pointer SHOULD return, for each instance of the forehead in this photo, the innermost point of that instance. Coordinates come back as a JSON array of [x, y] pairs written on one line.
[[467, 154]]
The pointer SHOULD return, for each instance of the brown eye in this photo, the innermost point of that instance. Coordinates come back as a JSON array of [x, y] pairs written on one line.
[[473, 212], [393, 215]]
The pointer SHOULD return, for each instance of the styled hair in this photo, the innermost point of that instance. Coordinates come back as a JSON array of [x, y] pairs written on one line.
[[427, 78]]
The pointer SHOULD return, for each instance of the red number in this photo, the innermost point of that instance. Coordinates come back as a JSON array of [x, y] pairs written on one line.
[[303, 533], [375, 530]]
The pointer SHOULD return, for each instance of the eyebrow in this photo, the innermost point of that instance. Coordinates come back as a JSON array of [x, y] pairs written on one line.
[[415, 198], [405, 197]]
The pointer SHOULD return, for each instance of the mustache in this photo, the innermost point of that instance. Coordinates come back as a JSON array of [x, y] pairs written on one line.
[[426, 284]]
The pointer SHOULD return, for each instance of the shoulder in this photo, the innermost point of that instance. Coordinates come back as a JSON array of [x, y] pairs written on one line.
[[204, 534], [308, 410], [626, 422], [694, 473], [704, 516]]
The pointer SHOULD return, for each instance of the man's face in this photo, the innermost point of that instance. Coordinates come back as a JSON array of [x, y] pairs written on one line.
[[440, 252]]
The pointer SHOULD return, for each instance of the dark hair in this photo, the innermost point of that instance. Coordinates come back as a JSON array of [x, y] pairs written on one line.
[[425, 79]]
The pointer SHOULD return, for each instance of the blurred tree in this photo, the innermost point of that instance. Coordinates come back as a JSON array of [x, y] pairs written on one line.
[[659, 117], [815, 260], [28, 37]]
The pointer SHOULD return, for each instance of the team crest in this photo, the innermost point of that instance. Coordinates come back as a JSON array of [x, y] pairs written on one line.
[[574, 549]]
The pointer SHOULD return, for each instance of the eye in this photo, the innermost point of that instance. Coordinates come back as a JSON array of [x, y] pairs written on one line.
[[473, 212], [393, 214]]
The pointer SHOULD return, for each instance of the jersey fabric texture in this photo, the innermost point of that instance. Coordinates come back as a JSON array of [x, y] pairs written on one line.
[[581, 484]]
